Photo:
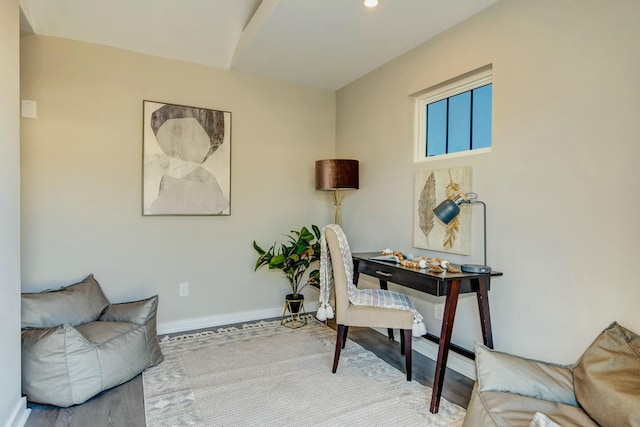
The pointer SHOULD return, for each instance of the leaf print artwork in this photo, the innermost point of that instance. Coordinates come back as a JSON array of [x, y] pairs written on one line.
[[426, 204], [430, 188]]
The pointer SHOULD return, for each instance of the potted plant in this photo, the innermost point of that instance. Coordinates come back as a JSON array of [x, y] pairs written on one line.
[[293, 257]]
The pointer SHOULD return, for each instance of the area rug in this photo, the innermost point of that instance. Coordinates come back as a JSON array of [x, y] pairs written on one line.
[[268, 375]]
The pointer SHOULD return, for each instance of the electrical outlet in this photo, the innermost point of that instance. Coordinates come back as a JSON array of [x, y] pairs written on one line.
[[438, 313], [28, 109], [184, 289]]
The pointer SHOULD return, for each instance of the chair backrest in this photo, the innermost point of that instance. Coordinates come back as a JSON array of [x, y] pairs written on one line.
[[340, 284]]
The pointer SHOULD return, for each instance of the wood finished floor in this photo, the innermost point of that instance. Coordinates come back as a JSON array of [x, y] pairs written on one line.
[[123, 406]]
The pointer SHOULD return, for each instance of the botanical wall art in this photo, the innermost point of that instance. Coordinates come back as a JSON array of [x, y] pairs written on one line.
[[186, 160], [431, 188]]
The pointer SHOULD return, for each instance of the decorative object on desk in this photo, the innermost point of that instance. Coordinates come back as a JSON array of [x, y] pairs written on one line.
[[435, 269], [397, 254], [450, 267], [414, 264], [337, 175], [433, 185], [449, 209], [294, 259], [186, 160]]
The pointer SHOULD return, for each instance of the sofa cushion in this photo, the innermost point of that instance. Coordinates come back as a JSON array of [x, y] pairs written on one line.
[[499, 371], [73, 305], [59, 366], [607, 378], [98, 333], [500, 409], [142, 313], [138, 312], [122, 350], [66, 366]]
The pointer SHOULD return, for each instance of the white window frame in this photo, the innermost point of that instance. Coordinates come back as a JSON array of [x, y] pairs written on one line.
[[470, 81]]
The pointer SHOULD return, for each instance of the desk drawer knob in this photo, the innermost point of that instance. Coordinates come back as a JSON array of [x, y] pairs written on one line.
[[382, 273]]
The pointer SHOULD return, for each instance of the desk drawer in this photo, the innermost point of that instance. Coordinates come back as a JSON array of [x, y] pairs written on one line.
[[382, 272], [415, 279]]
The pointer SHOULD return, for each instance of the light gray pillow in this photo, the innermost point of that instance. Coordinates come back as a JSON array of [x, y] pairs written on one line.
[[73, 305], [507, 373], [607, 378], [135, 312]]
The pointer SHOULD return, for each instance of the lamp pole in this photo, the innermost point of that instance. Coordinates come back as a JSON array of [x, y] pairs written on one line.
[[449, 209], [337, 175]]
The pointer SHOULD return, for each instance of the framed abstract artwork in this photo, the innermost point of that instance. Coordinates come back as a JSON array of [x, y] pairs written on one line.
[[431, 188], [186, 160]]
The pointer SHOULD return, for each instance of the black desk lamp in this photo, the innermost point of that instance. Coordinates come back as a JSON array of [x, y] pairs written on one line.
[[449, 209]]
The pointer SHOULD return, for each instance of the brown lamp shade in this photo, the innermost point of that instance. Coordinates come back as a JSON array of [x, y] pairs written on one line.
[[337, 174]]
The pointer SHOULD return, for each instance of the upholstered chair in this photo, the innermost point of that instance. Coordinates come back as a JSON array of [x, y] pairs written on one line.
[[348, 314]]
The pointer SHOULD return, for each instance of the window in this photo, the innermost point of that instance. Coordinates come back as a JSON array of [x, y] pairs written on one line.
[[454, 118]]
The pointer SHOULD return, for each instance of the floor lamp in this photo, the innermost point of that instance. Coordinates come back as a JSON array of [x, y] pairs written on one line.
[[337, 175], [449, 209]]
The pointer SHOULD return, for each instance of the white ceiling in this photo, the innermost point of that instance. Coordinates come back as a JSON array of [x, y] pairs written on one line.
[[319, 43]]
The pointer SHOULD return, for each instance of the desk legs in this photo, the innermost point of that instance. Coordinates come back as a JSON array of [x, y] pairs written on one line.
[[445, 340], [482, 293], [481, 286]]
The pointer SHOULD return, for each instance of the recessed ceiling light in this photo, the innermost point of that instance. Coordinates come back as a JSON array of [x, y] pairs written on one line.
[[370, 3]]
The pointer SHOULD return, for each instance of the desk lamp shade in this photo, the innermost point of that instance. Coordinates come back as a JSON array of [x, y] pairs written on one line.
[[336, 175], [449, 209]]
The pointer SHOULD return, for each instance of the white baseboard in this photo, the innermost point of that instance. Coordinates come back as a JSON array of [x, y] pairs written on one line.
[[219, 320], [456, 362], [19, 415]]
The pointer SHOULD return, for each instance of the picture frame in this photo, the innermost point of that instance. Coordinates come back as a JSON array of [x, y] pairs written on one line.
[[186, 160], [431, 188]]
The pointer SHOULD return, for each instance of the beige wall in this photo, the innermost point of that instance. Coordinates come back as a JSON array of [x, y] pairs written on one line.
[[566, 104], [559, 182], [11, 407], [81, 169]]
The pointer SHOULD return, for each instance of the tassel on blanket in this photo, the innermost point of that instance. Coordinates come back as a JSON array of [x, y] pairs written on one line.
[[419, 329], [325, 311], [329, 312]]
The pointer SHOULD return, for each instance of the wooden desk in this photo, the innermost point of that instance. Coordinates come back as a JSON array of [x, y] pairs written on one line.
[[444, 284]]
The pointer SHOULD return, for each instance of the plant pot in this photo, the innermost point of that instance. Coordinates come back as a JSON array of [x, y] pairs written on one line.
[[294, 301]]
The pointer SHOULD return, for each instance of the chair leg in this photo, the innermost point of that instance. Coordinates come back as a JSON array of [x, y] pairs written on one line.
[[339, 344], [406, 333], [346, 332], [402, 352]]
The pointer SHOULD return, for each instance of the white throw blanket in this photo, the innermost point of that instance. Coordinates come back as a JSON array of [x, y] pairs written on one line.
[[365, 297]]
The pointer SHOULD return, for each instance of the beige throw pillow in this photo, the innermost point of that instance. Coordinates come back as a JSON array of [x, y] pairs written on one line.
[[607, 378]]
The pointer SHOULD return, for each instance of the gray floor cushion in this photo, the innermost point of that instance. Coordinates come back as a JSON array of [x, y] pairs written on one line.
[[75, 344]]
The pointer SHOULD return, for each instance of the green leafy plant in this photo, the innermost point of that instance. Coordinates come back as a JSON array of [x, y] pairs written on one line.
[[293, 257]]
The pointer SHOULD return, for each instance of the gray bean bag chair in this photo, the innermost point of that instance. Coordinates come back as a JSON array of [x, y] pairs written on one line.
[[76, 344]]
